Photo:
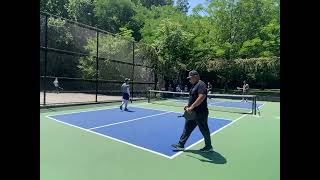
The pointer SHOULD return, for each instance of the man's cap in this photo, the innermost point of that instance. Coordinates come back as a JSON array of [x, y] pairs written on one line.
[[126, 79], [193, 73]]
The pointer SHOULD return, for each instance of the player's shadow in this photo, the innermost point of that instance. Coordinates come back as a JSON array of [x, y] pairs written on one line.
[[129, 111], [209, 157]]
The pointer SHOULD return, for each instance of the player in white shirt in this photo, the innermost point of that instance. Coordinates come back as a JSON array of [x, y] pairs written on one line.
[[56, 84], [125, 94], [245, 89]]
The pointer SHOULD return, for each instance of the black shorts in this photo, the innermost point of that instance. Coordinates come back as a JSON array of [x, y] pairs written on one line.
[[125, 96]]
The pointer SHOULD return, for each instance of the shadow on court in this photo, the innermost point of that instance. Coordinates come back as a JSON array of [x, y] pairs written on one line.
[[129, 111], [209, 157]]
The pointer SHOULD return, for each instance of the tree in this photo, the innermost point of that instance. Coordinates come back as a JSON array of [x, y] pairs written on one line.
[[113, 14], [170, 40], [225, 70], [261, 71], [241, 25], [82, 11], [56, 7], [174, 47], [183, 6], [198, 10], [59, 34], [150, 3], [111, 47]]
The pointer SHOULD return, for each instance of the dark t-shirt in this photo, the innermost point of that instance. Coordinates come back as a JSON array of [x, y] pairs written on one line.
[[198, 88]]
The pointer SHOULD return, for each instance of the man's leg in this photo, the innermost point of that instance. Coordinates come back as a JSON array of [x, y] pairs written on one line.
[[242, 97], [125, 104], [202, 122], [188, 128], [122, 104], [125, 100]]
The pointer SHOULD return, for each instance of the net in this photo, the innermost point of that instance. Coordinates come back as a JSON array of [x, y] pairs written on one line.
[[245, 104]]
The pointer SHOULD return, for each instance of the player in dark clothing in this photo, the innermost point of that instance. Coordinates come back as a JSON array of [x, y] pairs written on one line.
[[197, 104]]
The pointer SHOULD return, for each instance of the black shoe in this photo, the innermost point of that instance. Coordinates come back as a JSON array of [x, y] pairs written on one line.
[[121, 107], [178, 147], [126, 109], [206, 149]]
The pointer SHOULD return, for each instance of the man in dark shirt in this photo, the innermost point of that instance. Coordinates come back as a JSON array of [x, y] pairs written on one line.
[[197, 104]]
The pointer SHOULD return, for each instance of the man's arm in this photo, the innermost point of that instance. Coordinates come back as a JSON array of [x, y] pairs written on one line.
[[198, 101]]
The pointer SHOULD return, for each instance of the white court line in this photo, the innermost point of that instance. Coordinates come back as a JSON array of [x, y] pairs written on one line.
[[210, 135], [258, 109], [90, 110], [118, 140], [262, 105], [128, 120]]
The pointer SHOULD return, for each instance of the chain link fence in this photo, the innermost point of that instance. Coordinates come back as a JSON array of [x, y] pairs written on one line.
[[89, 64]]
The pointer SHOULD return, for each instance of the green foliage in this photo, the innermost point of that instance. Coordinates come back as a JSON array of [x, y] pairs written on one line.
[[198, 10], [173, 46], [150, 3], [182, 6], [255, 70], [113, 14], [81, 11], [56, 7], [231, 38], [59, 34], [118, 47], [172, 42]]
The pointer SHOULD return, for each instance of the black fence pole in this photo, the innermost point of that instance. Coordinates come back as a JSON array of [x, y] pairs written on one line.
[[132, 69], [45, 60], [97, 67], [155, 78]]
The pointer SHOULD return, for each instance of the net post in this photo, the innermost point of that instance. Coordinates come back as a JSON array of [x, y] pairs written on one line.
[[255, 105], [149, 96], [252, 106], [45, 60]]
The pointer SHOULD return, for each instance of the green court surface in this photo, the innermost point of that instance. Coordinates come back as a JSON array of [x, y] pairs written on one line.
[[248, 149]]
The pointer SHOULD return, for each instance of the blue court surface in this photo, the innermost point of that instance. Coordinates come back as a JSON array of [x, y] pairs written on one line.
[[147, 129]]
